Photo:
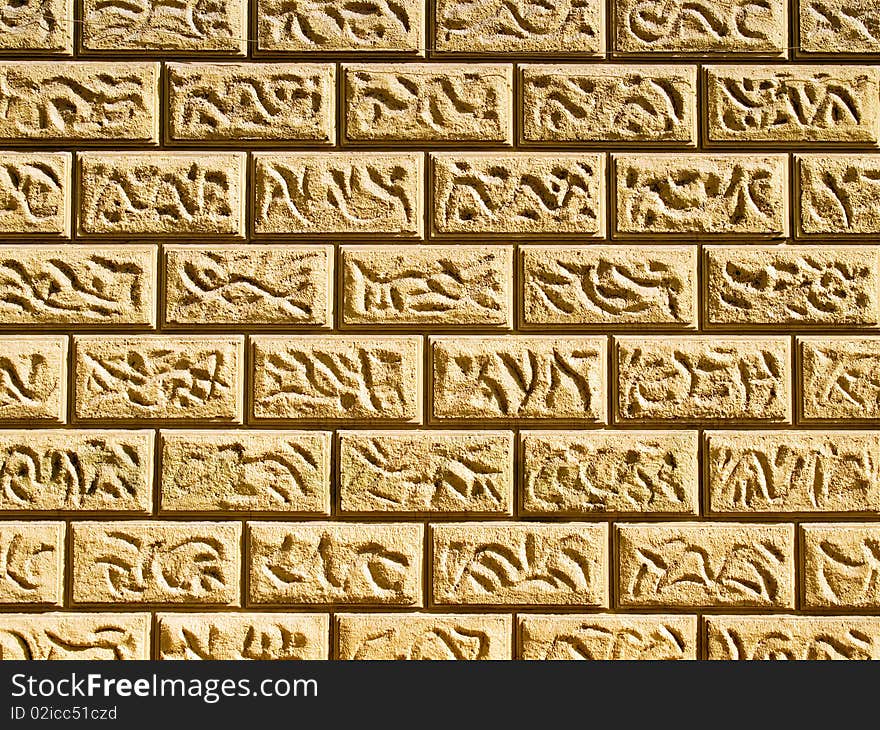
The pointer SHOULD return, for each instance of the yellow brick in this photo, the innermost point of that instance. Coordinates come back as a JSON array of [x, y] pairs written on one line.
[[686, 194], [253, 471], [593, 103], [468, 472], [793, 104], [45, 27], [840, 565], [35, 193], [74, 636], [219, 27], [792, 637], [77, 285], [311, 26], [248, 284], [692, 565], [609, 471], [520, 563], [428, 102], [837, 194], [231, 102], [518, 193], [797, 285], [538, 377], [310, 563], [701, 378], [156, 562], [418, 636], [33, 378], [840, 378], [421, 284], [606, 636], [713, 26], [609, 285], [486, 27], [31, 563], [158, 377], [838, 26], [82, 471], [80, 100], [226, 636], [321, 377], [793, 471], [339, 192], [153, 193]]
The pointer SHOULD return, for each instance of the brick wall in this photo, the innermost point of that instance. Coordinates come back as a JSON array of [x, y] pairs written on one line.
[[468, 330]]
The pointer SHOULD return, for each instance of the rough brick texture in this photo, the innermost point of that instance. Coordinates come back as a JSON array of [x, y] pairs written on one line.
[[432, 329]]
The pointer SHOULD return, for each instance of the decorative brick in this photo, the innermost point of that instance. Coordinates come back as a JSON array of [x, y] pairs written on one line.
[[840, 378], [455, 285], [185, 378], [428, 102], [838, 26], [81, 471], [35, 193], [837, 194], [147, 562], [519, 193], [338, 193], [39, 28], [609, 285], [609, 471], [840, 565], [539, 377], [248, 285], [230, 102], [234, 636], [606, 636], [74, 636], [520, 563], [693, 565], [312, 563], [33, 378], [161, 194], [595, 104], [321, 377], [450, 472], [397, 636], [792, 286], [31, 563], [252, 471]]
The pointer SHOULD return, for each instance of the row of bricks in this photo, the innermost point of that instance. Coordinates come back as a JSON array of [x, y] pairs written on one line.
[[417, 636], [309, 379], [440, 473], [161, 194], [439, 103], [440, 286], [680, 565], [715, 26]]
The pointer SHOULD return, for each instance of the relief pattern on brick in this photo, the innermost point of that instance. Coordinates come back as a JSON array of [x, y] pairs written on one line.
[[75, 636], [32, 563], [840, 378], [33, 378], [35, 193], [837, 194], [41, 27], [839, 26], [841, 565]]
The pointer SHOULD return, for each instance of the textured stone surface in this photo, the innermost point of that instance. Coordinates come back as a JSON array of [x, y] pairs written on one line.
[[419, 284], [33, 378], [840, 378], [251, 101], [32, 563], [423, 637], [609, 471], [604, 637], [45, 27], [74, 636], [35, 193], [519, 377], [248, 285], [83, 471], [793, 471], [792, 286], [839, 26], [258, 636], [609, 104], [523, 193], [609, 285], [258, 471], [326, 563], [434, 471], [520, 563], [840, 565], [692, 565], [837, 194], [703, 378], [157, 562]]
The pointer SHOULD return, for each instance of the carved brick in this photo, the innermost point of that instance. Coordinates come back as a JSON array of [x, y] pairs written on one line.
[[45, 27], [840, 378], [841, 566], [31, 563], [839, 26], [33, 378], [35, 193], [74, 636], [837, 194]]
